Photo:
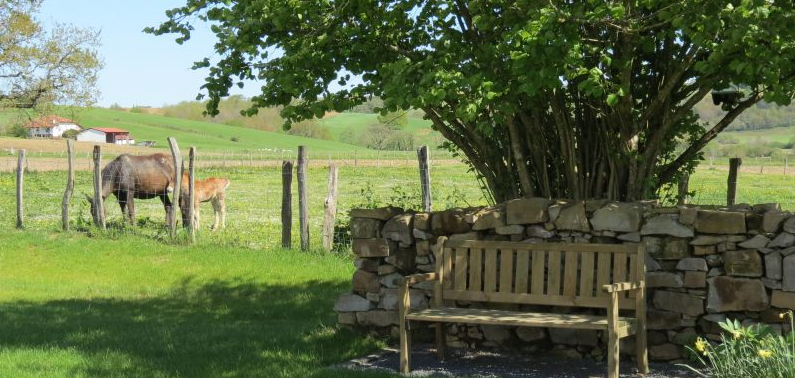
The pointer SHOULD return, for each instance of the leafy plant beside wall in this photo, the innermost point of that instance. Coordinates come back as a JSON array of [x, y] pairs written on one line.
[[748, 352]]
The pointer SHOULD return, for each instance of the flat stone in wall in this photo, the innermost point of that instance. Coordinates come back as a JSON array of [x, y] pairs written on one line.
[[736, 294], [370, 247], [720, 222], [527, 210]]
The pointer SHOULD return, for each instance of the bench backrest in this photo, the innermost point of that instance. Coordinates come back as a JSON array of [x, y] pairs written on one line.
[[558, 274]]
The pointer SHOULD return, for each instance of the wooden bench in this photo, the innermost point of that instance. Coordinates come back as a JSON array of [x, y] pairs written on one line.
[[556, 274]]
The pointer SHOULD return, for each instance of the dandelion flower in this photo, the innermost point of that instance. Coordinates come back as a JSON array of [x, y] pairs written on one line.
[[764, 353], [701, 346]]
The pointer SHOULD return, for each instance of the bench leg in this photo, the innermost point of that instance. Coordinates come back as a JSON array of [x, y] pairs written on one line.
[[640, 335], [612, 336], [405, 348], [441, 340]]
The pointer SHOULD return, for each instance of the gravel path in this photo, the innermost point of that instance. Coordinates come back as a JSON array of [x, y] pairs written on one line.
[[471, 363]]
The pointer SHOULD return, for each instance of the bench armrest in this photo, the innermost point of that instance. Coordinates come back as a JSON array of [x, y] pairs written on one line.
[[416, 278], [624, 286]]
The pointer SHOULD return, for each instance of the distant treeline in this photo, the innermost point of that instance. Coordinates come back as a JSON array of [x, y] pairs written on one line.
[[229, 108]]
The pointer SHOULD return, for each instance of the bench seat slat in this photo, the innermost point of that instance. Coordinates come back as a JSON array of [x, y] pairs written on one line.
[[516, 318], [537, 299]]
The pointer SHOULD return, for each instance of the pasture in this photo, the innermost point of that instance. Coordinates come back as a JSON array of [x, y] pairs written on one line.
[[131, 302], [254, 198]]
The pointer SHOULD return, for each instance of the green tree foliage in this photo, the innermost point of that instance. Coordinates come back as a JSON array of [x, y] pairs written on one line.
[[575, 99], [40, 67]]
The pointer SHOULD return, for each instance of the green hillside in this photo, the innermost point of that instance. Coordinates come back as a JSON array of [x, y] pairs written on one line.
[[776, 134], [359, 122], [204, 135]]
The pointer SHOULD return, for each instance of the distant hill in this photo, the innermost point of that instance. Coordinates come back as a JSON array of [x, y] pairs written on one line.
[[205, 136], [759, 117]]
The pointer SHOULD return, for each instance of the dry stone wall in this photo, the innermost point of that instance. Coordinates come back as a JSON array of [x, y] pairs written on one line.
[[705, 264]]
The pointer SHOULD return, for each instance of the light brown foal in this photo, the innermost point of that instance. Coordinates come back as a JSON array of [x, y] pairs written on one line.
[[213, 190]]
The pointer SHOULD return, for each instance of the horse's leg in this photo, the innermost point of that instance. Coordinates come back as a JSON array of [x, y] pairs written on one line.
[[221, 198], [121, 198], [167, 206], [196, 216], [217, 211], [131, 206]]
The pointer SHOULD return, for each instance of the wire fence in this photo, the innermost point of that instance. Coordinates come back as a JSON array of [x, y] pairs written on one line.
[[253, 199]]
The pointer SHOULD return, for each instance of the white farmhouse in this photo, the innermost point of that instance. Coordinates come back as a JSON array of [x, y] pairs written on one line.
[[106, 135], [50, 127]]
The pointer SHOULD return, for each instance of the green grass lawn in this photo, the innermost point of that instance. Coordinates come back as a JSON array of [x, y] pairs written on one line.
[[74, 306]]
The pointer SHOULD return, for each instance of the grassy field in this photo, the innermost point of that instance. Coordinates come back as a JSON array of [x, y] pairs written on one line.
[[75, 306], [129, 302], [777, 134], [253, 199], [359, 122], [204, 135]]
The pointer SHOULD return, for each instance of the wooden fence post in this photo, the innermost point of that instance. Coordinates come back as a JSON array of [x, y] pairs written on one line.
[[425, 178], [99, 203], [70, 185], [176, 156], [731, 193], [331, 208], [303, 204], [287, 204], [191, 195], [684, 184], [20, 182]]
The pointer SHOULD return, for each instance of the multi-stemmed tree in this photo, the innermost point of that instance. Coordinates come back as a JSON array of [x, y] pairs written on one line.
[[578, 99]]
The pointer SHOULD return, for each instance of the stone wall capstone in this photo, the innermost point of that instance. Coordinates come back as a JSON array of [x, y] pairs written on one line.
[[704, 265]]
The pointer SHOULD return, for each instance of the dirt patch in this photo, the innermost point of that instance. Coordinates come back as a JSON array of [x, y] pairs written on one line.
[[58, 146], [482, 363]]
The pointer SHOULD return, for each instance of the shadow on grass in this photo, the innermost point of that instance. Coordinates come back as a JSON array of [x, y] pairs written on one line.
[[210, 329]]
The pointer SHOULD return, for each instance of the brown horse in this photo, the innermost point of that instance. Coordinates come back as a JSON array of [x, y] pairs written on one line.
[[131, 177]]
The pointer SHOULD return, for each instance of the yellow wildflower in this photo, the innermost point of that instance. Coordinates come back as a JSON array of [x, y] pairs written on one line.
[[764, 353], [737, 335], [701, 346]]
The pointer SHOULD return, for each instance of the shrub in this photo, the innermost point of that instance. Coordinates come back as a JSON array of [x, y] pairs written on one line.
[[18, 130], [747, 352], [310, 129], [70, 134], [234, 139]]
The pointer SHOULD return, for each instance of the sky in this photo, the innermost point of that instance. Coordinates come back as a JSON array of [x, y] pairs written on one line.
[[140, 69]]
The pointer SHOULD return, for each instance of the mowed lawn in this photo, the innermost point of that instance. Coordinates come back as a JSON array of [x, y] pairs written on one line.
[[75, 306]]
